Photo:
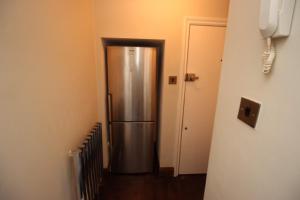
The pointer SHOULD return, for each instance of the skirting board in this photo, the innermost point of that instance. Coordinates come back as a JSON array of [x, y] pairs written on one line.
[[163, 171], [166, 171]]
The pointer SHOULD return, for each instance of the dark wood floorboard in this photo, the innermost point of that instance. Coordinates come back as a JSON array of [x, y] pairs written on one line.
[[152, 187]]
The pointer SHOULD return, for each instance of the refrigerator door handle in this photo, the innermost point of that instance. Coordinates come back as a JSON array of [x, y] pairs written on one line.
[[110, 143], [110, 134], [109, 96]]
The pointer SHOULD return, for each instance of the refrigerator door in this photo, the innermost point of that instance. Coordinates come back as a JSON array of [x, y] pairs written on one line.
[[132, 147], [132, 74]]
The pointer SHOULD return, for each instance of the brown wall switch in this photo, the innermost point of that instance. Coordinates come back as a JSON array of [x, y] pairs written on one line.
[[172, 80], [248, 112]]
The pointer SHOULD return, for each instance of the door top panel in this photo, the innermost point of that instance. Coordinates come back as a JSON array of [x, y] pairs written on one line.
[[132, 83]]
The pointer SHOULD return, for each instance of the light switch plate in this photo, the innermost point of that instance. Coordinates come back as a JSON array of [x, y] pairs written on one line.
[[249, 111], [172, 80]]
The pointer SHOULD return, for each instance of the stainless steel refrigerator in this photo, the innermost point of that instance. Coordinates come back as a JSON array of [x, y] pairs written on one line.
[[132, 107]]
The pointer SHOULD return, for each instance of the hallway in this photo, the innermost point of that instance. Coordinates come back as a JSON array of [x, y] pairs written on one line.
[[150, 187], [178, 87]]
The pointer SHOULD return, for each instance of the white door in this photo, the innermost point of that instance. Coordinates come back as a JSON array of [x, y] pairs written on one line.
[[205, 52]]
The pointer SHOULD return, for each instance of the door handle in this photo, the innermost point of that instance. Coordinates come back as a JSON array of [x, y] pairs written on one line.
[[191, 77], [110, 143], [109, 101]]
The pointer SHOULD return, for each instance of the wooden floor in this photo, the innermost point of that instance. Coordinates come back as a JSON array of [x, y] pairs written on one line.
[[152, 187]]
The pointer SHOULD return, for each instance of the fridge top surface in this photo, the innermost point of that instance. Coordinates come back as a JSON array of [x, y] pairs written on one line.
[[121, 46]]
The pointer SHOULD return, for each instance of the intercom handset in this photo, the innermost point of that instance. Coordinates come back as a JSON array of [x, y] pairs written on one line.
[[275, 21]]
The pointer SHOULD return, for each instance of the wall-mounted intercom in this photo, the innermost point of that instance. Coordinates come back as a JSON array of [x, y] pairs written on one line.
[[275, 21]]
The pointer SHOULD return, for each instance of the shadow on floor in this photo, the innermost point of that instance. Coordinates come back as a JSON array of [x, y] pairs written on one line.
[[152, 187]]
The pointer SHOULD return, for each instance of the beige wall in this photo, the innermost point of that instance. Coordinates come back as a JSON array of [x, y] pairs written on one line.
[[47, 94], [155, 19], [261, 163]]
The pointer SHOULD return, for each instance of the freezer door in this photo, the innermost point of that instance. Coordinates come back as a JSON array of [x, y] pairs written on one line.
[[132, 147], [132, 82]]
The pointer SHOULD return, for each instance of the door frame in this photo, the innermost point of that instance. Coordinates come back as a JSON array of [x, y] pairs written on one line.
[[188, 22]]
